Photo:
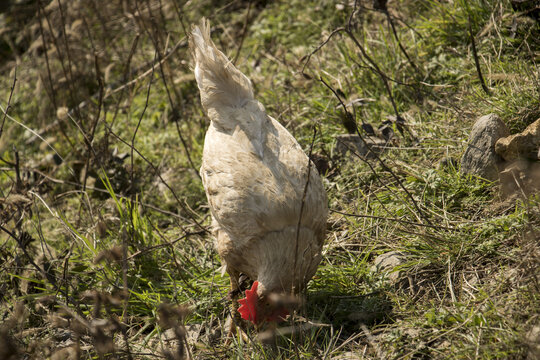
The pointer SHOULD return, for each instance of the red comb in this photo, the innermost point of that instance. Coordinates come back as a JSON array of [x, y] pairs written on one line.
[[247, 309]]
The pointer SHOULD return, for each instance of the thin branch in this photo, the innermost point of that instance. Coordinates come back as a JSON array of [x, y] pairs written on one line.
[[132, 146], [373, 65], [476, 61], [31, 131], [156, 42], [393, 219], [104, 191], [52, 94], [184, 144], [125, 75], [304, 194], [133, 194], [377, 70], [244, 31], [30, 260], [18, 181], [392, 26], [8, 106], [158, 174], [90, 149], [370, 63], [381, 162], [308, 58]]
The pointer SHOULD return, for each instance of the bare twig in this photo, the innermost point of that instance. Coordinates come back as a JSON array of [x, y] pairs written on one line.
[[381, 162], [124, 77], [242, 37], [392, 219], [309, 165], [99, 77], [158, 174], [133, 196], [18, 181], [104, 191], [30, 260], [8, 106], [377, 70], [68, 73], [184, 145], [321, 45], [371, 64], [31, 131], [157, 46], [476, 61], [401, 47], [52, 94]]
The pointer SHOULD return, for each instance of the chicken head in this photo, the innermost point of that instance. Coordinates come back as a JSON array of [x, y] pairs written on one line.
[[260, 308]]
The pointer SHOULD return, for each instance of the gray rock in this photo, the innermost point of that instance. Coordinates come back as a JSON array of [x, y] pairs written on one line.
[[520, 178], [523, 145], [480, 158], [353, 145], [387, 263]]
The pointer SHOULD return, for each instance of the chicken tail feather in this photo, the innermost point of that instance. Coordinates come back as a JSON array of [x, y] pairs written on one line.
[[220, 82]]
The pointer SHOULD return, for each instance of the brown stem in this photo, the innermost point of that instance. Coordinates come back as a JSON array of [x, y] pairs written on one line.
[[383, 164], [476, 61], [244, 31], [302, 204], [9, 102]]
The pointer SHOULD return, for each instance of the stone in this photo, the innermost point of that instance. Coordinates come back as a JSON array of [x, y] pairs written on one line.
[[387, 263], [520, 177], [353, 145], [523, 145], [480, 158]]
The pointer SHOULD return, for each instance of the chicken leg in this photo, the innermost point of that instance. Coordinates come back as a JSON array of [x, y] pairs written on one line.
[[235, 318]]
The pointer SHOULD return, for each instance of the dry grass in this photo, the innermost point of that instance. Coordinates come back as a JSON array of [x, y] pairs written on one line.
[[104, 239]]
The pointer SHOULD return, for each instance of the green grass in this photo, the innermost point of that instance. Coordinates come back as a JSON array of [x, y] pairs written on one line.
[[109, 254]]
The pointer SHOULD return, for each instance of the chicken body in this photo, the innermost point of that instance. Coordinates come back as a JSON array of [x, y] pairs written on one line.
[[255, 174]]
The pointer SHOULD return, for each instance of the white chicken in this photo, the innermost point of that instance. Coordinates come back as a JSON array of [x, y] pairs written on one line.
[[256, 179]]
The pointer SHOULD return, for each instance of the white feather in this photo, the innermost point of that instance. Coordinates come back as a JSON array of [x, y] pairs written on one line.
[[254, 173]]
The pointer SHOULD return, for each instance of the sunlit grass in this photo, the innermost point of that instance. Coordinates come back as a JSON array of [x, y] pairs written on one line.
[[98, 246]]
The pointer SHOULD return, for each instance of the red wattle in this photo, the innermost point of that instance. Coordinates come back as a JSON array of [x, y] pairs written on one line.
[[247, 308]]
